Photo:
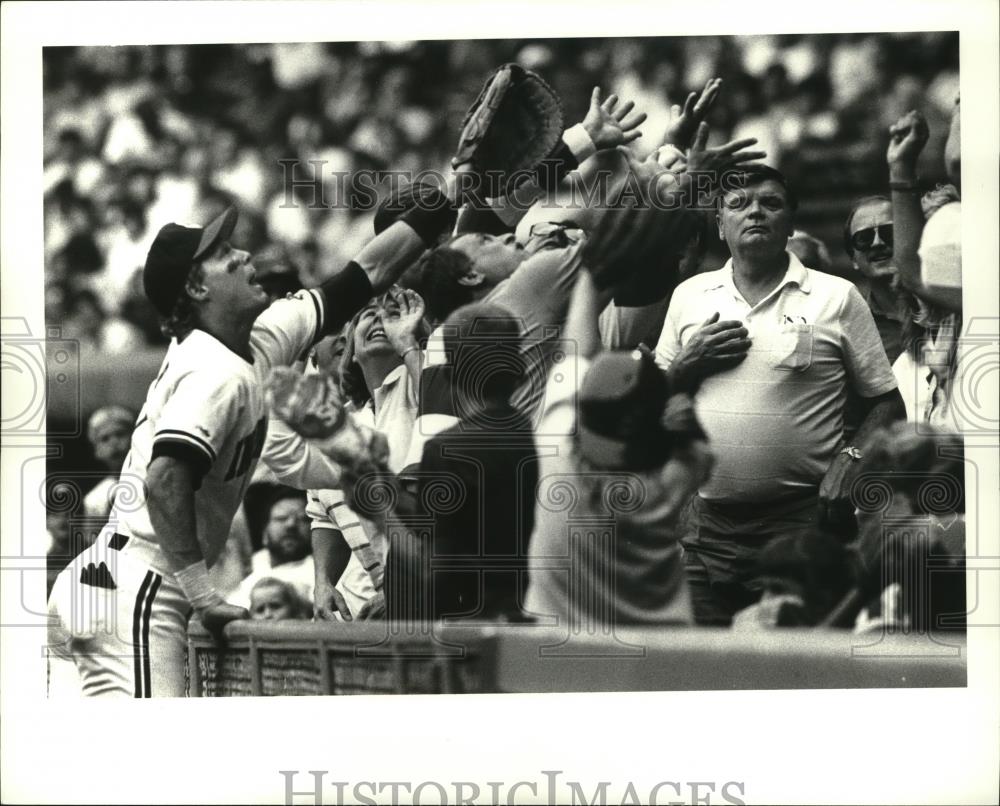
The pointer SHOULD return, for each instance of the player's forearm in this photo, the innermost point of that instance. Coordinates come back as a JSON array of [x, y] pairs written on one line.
[[575, 147], [331, 554], [383, 260], [172, 511], [390, 253]]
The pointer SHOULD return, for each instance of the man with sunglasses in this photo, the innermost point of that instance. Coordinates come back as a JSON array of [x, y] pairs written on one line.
[[868, 240], [772, 350]]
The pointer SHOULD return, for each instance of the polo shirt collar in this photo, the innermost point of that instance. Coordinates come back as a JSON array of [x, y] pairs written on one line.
[[796, 274], [388, 384]]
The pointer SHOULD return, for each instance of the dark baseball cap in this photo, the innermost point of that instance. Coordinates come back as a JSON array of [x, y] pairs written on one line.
[[173, 254], [622, 401]]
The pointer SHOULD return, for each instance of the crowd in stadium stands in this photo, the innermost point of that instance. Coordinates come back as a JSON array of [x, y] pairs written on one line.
[[599, 420], [136, 136]]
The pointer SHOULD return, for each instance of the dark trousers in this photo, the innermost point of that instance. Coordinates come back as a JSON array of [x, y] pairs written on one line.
[[721, 547]]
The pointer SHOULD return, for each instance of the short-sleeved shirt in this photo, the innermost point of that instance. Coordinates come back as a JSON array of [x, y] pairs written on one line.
[[209, 399], [327, 509], [365, 572], [393, 411], [538, 293], [605, 544], [775, 420]]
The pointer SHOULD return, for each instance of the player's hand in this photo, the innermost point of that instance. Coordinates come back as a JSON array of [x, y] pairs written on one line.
[[402, 319], [610, 125], [373, 609], [684, 121], [311, 405], [329, 603], [907, 138], [715, 346], [216, 617]]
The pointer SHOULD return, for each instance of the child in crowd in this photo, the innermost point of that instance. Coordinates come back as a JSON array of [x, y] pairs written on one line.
[[274, 600]]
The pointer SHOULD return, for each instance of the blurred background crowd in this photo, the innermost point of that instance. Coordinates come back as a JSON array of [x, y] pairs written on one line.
[[139, 136]]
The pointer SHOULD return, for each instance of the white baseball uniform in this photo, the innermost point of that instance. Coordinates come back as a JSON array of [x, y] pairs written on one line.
[[116, 609]]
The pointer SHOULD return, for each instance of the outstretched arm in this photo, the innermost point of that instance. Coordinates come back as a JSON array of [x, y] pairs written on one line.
[[684, 121], [908, 136], [606, 126], [388, 255]]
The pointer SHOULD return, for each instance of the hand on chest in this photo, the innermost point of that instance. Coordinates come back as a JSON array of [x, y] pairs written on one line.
[[782, 337]]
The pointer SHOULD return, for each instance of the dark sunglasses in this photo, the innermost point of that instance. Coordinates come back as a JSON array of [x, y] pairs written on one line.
[[863, 239]]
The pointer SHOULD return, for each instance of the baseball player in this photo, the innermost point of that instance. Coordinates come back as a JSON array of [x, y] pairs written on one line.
[[120, 608]]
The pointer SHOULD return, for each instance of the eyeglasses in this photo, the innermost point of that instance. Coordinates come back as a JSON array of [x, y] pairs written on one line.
[[566, 233], [863, 239]]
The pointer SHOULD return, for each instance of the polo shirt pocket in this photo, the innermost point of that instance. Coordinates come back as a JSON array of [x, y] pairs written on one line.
[[793, 348]]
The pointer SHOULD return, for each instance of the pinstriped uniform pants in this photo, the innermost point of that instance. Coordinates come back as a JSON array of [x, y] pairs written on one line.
[[123, 624]]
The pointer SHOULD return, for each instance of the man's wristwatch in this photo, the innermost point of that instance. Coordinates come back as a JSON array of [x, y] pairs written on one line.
[[853, 452]]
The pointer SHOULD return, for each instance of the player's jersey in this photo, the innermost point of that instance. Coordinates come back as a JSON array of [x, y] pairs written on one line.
[[208, 398]]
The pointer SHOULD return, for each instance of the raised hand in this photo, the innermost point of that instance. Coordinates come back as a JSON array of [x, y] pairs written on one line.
[[401, 319], [610, 125], [908, 136], [706, 166], [716, 161], [684, 121]]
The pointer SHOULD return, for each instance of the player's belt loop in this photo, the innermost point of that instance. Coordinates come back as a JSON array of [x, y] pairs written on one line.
[[117, 541]]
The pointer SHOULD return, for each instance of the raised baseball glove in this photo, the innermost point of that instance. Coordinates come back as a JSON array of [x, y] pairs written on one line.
[[512, 126]]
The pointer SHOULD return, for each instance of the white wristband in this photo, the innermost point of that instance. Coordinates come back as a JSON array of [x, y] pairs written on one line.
[[197, 587], [579, 142]]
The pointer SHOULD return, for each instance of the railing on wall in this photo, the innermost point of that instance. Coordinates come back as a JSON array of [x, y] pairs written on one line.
[[303, 658]]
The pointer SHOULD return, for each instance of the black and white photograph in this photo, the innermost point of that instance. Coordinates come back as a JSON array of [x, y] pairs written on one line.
[[620, 385]]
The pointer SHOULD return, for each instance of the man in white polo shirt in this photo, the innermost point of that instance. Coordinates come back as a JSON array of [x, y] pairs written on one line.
[[770, 349]]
